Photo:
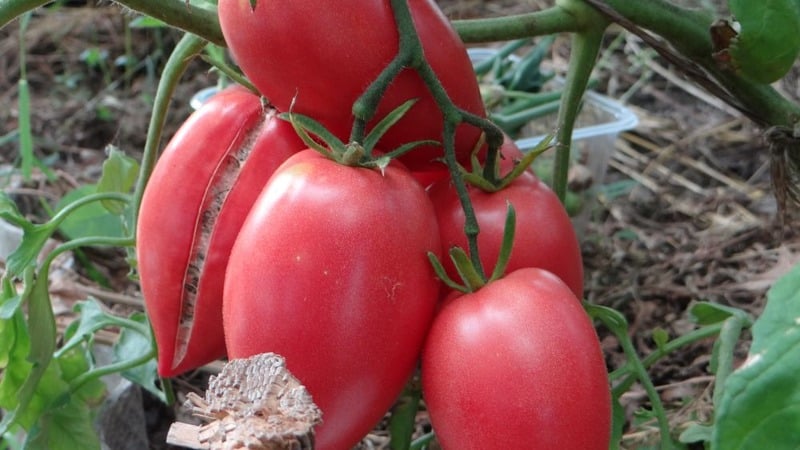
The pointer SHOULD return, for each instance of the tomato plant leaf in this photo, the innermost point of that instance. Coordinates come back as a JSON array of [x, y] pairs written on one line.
[[33, 238], [65, 426], [707, 313], [119, 175], [131, 345], [660, 337], [91, 319], [91, 219], [14, 348], [762, 396]]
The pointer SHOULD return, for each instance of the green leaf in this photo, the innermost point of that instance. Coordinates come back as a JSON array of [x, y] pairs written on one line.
[[67, 426], [75, 363], [696, 433], [91, 219], [119, 175], [91, 319], [9, 211], [14, 366], [706, 313], [33, 240], [660, 337], [760, 405], [131, 345]]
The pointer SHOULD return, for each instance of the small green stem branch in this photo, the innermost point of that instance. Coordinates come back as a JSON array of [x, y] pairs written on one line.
[[188, 47], [671, 346], [617, 324], [655, 399], [726, 344], [410, 55], [56, 220]]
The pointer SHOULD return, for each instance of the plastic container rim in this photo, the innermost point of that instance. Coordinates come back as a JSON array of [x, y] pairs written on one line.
[[624, 118]]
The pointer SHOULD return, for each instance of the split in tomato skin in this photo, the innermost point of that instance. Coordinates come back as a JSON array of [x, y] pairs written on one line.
[[317, 58], [198, 196], [516, 365], [330, 271]]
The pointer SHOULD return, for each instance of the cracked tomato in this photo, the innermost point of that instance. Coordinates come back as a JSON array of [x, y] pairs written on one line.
[[196, 199]]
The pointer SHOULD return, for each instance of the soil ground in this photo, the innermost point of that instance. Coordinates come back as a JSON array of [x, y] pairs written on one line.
[[685, 213]]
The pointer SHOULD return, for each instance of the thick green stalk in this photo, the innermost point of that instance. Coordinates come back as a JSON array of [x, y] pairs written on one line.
[[585, 48], [188, 47], [539, 23], [181, 14]]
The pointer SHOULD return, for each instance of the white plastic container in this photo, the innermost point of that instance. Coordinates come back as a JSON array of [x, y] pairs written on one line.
[[599, 122]]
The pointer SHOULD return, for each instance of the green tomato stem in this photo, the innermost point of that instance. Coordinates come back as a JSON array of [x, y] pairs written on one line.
[[56, 220], [188, 47], [725, 346], [548, 21], [199, 19], [617, 324], [585, 48], [671, 346]]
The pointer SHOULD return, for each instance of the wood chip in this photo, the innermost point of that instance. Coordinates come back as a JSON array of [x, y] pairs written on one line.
[[254, 403]]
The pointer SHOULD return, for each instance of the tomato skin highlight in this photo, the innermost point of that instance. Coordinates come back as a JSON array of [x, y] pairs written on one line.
[[319, 57], [544, 236], [180, 197], [330, 271], [516, 365]]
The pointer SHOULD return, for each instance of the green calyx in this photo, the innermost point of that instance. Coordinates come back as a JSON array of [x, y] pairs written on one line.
[[488, 177], [471, 278], [354, 153]]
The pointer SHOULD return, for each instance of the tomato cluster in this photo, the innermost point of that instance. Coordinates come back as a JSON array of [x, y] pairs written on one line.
[[248, 242]]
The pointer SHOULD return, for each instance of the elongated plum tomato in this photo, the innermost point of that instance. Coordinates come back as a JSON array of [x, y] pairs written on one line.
[[330, 271], [323, 55], [516, 365], [197, 198], [544, 236]]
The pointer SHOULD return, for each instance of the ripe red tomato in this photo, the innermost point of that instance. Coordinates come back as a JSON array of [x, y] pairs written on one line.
[[544, 236], [197, 198], [322, 55], [330, 271], [516, 365]]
